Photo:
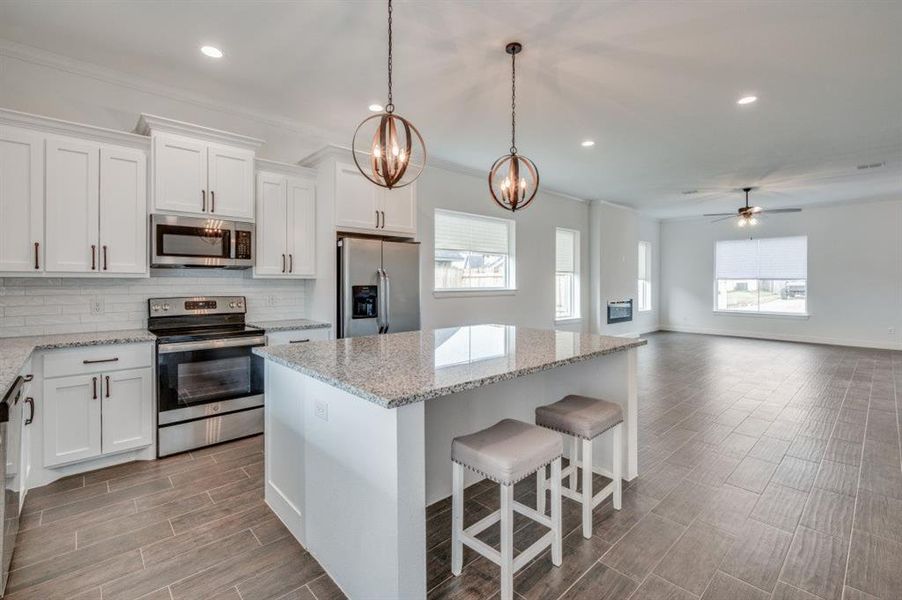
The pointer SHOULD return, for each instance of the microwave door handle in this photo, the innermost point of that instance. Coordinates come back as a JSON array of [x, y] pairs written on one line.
[[386, 302]]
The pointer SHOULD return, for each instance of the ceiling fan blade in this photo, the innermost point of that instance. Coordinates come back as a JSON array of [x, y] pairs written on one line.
[[781, 210], [722, 218], [732, 214], [755, 209]]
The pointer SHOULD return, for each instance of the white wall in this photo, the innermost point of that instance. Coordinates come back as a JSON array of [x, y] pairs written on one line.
[[854, 276], [615, 266], [533, 302]]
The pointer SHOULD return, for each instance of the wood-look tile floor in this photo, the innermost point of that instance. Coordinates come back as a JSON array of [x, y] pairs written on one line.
[[193, 526], [769, 470]]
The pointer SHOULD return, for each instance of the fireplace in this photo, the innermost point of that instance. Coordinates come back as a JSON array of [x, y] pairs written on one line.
[[620, 311]]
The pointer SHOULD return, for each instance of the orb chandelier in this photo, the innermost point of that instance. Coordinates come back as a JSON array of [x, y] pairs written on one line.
[[514, 179], [388, 150]]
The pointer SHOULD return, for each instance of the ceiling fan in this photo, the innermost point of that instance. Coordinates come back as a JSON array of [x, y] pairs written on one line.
[[748, 215]]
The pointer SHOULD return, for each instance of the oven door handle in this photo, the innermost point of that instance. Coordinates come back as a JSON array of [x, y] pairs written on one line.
[[211, 344]]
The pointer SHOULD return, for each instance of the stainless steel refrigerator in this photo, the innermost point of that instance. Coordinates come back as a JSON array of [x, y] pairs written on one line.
[[378, 286]]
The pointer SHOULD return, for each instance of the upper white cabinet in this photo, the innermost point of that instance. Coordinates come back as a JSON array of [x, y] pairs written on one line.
[[286, 224], [21, 200], [200, 171], [96, 208], [361, 205], [73, 198]]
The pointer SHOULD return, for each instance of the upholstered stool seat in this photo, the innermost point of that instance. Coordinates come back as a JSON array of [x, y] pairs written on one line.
[[506, 452], [584, 419]]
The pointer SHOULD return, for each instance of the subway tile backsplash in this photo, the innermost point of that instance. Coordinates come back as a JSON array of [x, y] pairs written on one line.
[[36, 306]]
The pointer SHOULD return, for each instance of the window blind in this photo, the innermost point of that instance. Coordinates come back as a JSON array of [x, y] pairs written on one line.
[[471, 233], [565, 251], [768, 258]]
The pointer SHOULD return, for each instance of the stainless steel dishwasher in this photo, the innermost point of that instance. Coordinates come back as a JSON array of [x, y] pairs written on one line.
[[10, 449]]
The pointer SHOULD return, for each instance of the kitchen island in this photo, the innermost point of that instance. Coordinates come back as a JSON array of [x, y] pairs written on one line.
[[359, 430]]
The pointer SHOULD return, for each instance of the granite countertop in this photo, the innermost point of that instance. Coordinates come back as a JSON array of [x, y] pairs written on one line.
[[15, 351], [401, 368], [289, 324]]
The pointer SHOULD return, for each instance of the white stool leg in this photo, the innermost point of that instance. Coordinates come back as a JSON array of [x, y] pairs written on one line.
[[507, 542], [587, 488], [617, 455], [556, 544], [574, 459], [540, 491], [457, 517]]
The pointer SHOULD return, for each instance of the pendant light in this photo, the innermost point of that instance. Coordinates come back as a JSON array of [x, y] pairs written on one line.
[[514, 179], [388, 150]]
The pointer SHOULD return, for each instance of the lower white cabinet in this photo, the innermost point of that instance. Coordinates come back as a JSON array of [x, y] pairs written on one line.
[[91, 413], [298, 336]]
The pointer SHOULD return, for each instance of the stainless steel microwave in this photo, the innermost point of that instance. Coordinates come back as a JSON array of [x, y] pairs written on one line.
[[191, 242]]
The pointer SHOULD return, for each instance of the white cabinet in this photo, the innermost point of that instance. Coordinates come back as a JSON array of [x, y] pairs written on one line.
[[298, 336], [126, 410], [21, 200], [286, 226], [73, 195], [123, 210], [96, 208], [362, 205], [71, 419], [179, 174], [96, 401], [231, 182]]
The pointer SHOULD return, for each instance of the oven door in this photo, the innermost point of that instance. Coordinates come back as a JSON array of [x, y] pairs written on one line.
[[190, 242], [205, 378]]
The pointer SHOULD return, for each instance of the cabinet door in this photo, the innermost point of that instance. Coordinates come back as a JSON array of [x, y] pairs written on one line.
[[272, 243], [356, 199], [231, 182], [72, 176], [123, 210], [21, 200], [301, 228], [180, 174], [71, 418], [399, 210], [127, 410]]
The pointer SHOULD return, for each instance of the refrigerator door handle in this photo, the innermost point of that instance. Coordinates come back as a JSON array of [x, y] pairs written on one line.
[[386, 283], [380, 299]]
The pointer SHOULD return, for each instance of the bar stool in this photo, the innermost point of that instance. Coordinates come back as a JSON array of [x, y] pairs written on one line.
[[506, 452], [583, 418]]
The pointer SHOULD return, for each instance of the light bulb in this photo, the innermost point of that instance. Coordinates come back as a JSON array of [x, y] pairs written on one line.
[[377, 151], [753, 221], [742, 222]]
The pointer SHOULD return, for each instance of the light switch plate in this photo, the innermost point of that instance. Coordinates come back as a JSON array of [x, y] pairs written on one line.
[[321, 410]]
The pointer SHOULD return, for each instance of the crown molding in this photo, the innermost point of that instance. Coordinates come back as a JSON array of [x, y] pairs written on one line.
[[68, 128], [325, 153], [45, 58], [148, 124], [291, 170]]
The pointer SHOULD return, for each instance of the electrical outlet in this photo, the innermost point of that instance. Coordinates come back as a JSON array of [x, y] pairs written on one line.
[[891, 331], [97, 305], [270, 300], [321, 410]]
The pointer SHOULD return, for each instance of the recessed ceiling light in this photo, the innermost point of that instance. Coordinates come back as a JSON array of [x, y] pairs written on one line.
[[375, 108], [211, 51], [587, 143], [747, 100]]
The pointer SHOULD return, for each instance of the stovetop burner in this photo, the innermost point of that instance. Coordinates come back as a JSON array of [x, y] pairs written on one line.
[[198, 318]]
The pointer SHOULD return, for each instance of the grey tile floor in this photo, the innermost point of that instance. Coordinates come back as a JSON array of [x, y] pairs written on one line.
[[768, 470]]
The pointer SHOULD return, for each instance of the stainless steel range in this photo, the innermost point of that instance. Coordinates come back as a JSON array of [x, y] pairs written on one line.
[[209, 383]]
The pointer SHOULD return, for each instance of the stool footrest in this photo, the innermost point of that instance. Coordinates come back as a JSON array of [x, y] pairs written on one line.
[[533, 551], [532, 514], [481, 547], [484, 523]]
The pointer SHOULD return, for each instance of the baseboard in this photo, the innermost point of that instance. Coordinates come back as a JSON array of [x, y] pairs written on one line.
[[807, 339]]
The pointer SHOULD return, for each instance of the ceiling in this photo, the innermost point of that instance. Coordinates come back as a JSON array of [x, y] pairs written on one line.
[[655, 84]]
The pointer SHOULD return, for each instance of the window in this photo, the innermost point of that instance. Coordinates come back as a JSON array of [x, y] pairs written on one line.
[[762, 276], [566, 274], [644, 276], [473, 252]]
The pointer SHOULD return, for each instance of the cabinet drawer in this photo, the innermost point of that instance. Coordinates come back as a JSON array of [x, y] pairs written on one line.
[[297, 336], [94, 359]]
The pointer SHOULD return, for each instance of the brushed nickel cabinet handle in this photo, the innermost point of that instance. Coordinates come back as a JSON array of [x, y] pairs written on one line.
[[203, 200], [283, 263], [30, 403], [107, 386], [377, 219], [291, 263], [298, 341], [99, 360], [37, 246], [93, 257], [104, 258], [212, 201], [94, 386], [383, 218]]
